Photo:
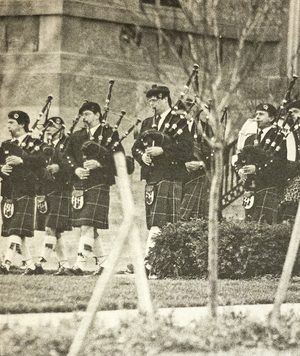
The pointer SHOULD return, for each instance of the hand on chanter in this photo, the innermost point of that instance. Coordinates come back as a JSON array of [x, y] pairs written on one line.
[[82, 173], [146, 159], [13, 160], [91, 164], [53, 168], [6, 169], [194, 165], [154, 151]]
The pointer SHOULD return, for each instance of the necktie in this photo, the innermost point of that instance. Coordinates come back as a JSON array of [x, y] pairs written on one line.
[[259, 136], [156, 121]]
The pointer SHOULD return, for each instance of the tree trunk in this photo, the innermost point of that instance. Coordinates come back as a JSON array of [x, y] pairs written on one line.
[[213, 229]]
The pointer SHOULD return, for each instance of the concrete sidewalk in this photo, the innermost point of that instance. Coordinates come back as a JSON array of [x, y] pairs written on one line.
[[180, 316]]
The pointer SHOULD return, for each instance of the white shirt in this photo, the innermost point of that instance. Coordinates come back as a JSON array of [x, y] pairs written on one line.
[[162, 118], [20, 139], [93, 130]]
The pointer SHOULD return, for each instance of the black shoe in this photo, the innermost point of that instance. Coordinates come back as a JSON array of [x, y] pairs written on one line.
[[99, 271], [62, 271], [39, 269], [29, 272], [76, 271], [3, 270], [130, 269]]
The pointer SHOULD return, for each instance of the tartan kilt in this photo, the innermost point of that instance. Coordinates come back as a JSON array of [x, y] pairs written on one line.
[[265, 207], [166, 204], [95, 209], [195, 201], [59, 212], [22, 221]]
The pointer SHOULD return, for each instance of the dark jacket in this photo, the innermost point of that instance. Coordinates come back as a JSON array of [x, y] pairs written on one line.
[[62, 180], [171, 164], [271, 167], [202, 150], [74, 153], [26, 177]]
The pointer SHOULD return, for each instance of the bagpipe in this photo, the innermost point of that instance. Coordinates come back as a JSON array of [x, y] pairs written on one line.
[[24, 178], [264, 155], [174, 124], [102, 148], [108, 140]]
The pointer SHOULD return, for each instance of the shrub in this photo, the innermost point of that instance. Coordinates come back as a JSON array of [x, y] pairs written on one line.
[[245, 250]]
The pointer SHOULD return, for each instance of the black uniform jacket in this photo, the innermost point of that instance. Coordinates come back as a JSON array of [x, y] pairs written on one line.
[[26, 177], [271, 167], [75, 154], [176, 151], [202, 150], [62, 180]]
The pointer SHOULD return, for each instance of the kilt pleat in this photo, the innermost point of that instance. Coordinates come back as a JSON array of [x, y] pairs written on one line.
[[59, 216], [95, 209], [195, 201], [22, 221], [265, 207], [166, 205]]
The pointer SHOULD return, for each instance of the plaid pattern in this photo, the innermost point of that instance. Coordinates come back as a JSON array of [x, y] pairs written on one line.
[[265, 207], [59, 212], [195, 198], [288, 210], [95, 208], [166, 205], [22, 222]]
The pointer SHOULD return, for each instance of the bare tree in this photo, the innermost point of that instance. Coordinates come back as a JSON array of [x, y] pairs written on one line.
[[209, 28]]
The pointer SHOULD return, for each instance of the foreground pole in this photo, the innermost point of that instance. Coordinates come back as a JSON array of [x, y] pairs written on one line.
[[127, 227], [287, 270], [213, 231]]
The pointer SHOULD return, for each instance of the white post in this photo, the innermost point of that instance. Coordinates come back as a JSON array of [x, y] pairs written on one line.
[[287, 270], [128, 227]]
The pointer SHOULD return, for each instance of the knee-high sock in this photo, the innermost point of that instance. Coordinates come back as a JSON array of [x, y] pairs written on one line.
[[61, 252], [14, 242], [26, 254], [85, 250], [99, 251], [49, 244], [154, 231]]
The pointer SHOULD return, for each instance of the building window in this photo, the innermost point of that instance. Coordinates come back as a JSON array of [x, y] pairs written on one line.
[[170, 3]]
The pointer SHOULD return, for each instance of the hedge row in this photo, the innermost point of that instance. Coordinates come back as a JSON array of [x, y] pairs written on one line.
[[245, 250]]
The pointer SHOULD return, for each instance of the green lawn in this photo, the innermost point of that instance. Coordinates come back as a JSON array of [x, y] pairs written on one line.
[[46, 293]]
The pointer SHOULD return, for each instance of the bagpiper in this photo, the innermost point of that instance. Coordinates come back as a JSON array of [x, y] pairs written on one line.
[[21, 167], [54, 197]]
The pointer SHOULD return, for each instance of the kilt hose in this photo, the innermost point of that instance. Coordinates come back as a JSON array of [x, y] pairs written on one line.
[[265, 207], [59, 212], [166, 204], [22, 221], [95, 208], [195, 201]]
